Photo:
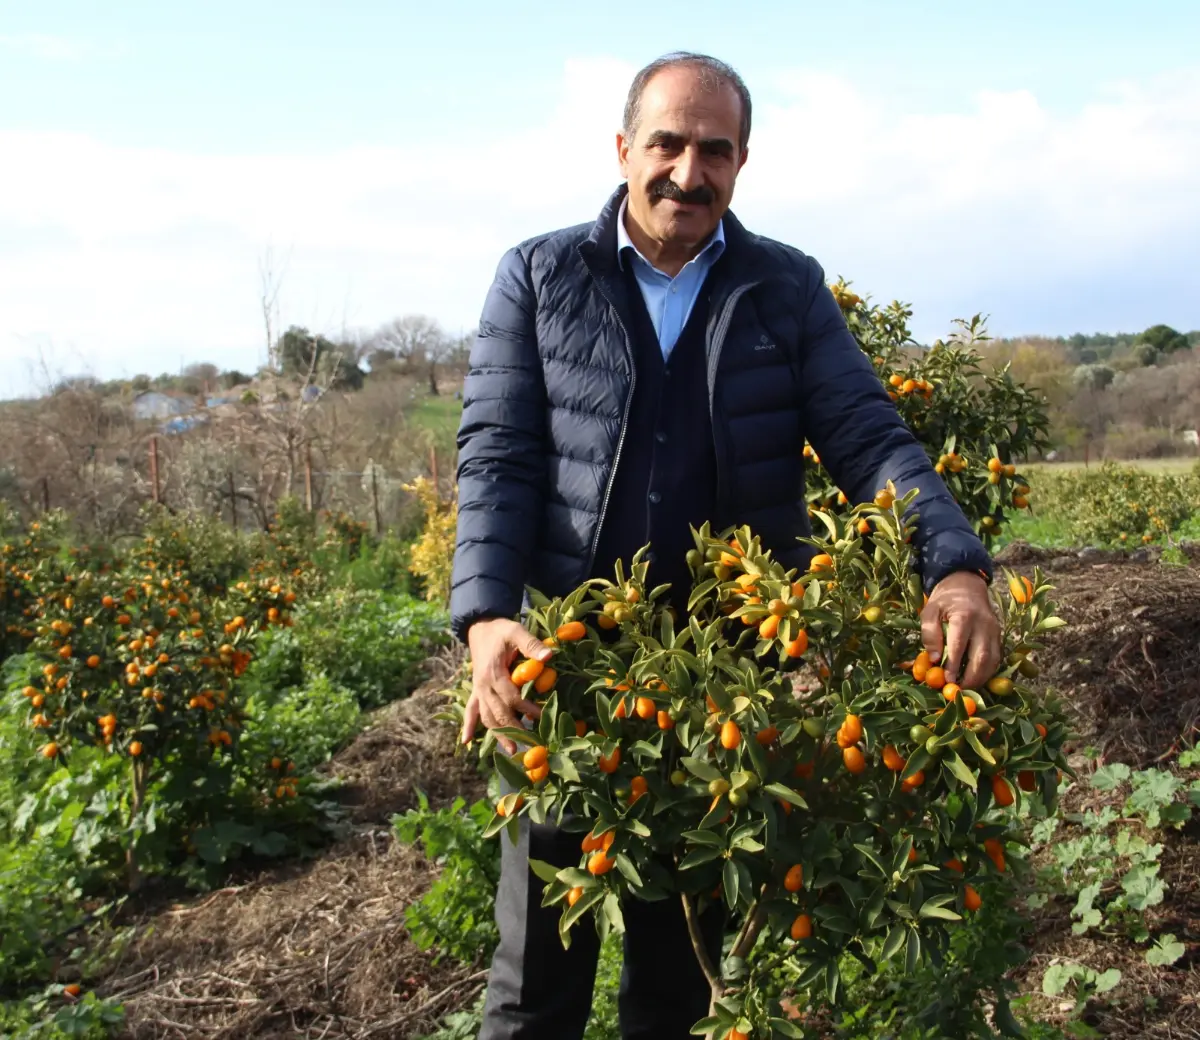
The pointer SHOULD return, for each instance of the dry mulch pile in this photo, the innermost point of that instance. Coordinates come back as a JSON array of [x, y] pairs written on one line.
[[1128, 666], [318, 949], [1129, 661]]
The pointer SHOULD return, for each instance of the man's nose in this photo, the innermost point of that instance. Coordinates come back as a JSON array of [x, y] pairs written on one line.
[[688, 172]]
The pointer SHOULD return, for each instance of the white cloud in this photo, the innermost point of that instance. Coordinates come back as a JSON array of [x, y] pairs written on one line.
[[134, 257]]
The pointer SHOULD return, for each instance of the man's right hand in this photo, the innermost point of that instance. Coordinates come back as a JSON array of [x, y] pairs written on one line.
[[495, 699]]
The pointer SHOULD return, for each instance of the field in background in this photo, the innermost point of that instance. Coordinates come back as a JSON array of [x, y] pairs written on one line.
[[1178, 465]]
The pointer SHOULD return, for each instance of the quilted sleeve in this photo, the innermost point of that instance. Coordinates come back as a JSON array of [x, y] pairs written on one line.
[[501, 460], [863, 441]]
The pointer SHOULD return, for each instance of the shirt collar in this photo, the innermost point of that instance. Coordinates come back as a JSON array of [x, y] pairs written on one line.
[[710, 253]]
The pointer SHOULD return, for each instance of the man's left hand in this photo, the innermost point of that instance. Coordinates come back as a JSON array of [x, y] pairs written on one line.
[[973, 629]]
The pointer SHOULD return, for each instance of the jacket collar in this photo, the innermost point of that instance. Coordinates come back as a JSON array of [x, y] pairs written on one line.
[[742, 258]]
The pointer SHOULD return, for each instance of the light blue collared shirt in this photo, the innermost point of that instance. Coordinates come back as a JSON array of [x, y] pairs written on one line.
[[669, 300]]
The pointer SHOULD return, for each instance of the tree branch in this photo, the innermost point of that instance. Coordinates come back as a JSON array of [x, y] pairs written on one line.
[[755, 920], [701, 951]]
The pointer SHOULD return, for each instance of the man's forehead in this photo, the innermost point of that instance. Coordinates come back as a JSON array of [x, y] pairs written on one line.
[[690, 105]]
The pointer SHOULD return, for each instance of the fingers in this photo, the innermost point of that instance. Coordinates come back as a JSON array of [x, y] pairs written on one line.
[[470, 719], [931, 630], [985, 653], [529, 644], [956, 645], [495, 699]]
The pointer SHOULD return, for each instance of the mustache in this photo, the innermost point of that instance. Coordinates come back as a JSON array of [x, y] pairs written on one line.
[[668, 189]]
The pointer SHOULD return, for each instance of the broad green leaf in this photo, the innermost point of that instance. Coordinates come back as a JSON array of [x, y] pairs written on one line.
[[1166, 950], [787, 794], [895, 940], [979, 749], [626, 867], [960, 769], [729, 881], [509, 771], [698, 767], [561, 765], [1108, 777], [546, 871], [612, 911], [697, 857]]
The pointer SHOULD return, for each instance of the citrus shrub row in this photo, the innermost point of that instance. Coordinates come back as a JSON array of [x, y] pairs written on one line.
[[1120, 506], [786, 750], [137, 660], [974, 423]]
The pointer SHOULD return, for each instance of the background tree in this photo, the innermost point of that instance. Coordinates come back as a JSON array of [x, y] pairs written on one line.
[[304, 355], [1164, 339]]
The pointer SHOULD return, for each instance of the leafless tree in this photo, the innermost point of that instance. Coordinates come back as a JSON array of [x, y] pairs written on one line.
[[270, 277]]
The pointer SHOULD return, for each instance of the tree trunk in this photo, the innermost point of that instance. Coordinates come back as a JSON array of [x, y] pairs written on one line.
[[138, 777]]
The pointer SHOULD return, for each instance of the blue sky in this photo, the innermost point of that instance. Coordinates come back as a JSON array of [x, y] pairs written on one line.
[[1034, 161]]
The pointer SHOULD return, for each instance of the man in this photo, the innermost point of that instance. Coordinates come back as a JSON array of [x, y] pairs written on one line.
[[657, 368]]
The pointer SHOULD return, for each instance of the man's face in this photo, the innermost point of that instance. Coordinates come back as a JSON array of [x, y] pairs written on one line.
[[684, 158]]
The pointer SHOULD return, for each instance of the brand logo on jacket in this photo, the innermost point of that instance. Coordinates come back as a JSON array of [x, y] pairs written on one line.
[[764, 344]]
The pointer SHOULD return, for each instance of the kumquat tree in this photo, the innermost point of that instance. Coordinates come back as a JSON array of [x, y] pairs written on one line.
[[974, 422], [863, 813]]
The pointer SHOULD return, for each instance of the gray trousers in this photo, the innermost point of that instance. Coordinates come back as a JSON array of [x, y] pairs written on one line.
[[539, 991]]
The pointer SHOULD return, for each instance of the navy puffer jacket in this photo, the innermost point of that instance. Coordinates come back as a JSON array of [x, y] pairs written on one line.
[[550, 381]]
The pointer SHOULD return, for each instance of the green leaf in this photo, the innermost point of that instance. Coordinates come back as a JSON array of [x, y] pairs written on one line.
[[979, 749], [1107, 980], [960, 769], [561, 765], [699, 592], [626, 867], [1058, 977], [509, 771], [705, 1026], [612, 911], [833, 979], [787, 794], [1106, 778], [729, 881], [1142, 886], [645, 748], [895, 940], [546, 871], [933, 908], [782, 1027], [869, 853], [1166, 950], [698, 767], [918, 760], [704, 838], [698, 857]]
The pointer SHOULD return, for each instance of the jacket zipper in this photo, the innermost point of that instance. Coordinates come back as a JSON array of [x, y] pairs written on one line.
[[612, 473], [718, 340]]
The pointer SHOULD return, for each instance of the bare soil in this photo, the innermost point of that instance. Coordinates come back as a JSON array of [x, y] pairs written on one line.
[[318, 949]]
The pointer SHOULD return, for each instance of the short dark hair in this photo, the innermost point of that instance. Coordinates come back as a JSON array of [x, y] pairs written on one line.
[[715, 73]]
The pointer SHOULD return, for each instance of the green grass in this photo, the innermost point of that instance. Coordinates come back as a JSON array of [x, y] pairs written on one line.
[[1046, 531], [440, 415]]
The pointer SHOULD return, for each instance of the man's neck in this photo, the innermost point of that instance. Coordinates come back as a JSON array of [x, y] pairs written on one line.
[[665, 257]]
